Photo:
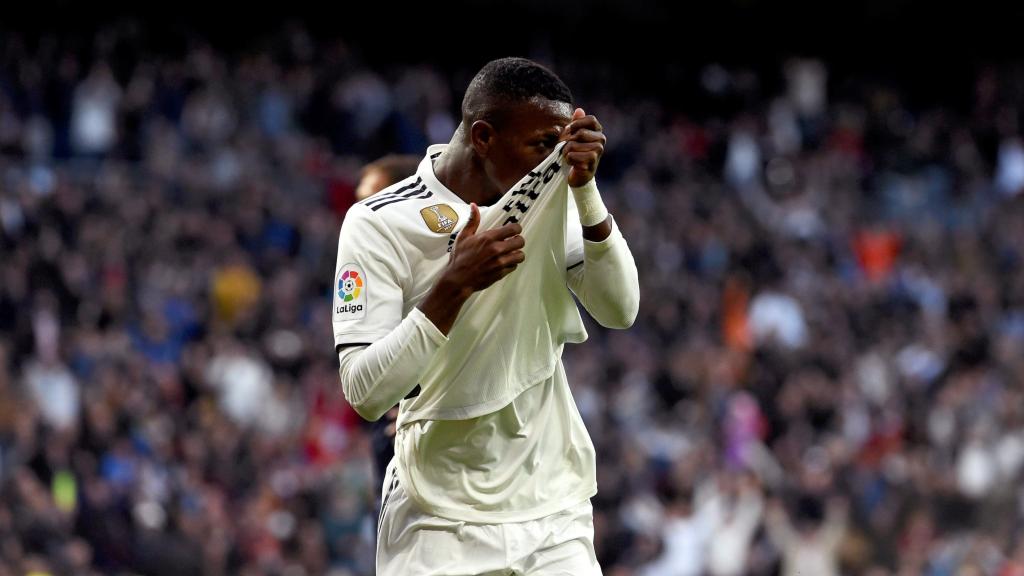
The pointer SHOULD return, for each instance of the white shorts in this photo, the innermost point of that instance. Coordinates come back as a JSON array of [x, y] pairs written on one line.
[[412, 543]]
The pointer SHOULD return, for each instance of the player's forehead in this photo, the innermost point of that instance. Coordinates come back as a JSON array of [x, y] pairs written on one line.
[[540, 114]]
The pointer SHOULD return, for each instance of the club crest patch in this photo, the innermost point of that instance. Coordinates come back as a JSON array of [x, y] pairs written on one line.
[[440, 218]]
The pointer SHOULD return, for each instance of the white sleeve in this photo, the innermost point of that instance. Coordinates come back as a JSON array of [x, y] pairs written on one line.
[[374, 378], [607, 284], [573, 236], [368, 280]]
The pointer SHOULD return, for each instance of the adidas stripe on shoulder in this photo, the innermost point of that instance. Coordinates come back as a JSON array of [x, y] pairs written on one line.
[[415, 190]]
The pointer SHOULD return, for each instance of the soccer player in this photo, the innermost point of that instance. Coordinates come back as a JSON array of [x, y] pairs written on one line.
[[508, 491]]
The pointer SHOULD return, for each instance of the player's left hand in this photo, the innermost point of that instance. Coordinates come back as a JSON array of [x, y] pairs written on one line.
[[585, 146]]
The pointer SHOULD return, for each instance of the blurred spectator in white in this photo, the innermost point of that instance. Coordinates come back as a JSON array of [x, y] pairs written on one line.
[[243, 381], [732, 537], [55, 392], [812, 545], [689, 523], [977, 467], [1009, 176], [94, 112], [50, 382], [743, 158], [777, 318], [807, 82]]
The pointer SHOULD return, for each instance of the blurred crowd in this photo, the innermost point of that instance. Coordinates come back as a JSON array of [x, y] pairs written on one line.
[[826, 376]]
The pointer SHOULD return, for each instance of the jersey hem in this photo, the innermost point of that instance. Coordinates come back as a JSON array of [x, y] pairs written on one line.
[[494, 517]]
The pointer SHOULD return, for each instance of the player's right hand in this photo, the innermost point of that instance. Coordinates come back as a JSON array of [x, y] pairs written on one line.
[[480, 259]]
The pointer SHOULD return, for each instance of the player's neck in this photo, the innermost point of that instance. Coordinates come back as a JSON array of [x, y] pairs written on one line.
[[461, 172]]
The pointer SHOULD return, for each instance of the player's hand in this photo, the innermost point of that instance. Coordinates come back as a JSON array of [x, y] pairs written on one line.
[[480, 259], [585, 146]]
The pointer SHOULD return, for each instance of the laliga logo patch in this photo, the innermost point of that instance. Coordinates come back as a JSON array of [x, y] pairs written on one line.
[[349, 293], [440, 218]]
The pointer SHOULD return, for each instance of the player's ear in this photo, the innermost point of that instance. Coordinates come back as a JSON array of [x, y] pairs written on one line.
[[481, 136]]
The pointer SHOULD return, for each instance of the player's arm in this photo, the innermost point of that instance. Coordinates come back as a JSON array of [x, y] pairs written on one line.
[[375, 377], [379, 365], [606, 281], [380, 352]]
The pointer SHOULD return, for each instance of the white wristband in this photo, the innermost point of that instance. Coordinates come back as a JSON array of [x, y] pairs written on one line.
[[589, 204]]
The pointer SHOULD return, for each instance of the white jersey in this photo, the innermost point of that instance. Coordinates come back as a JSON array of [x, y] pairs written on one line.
[[527, 457], [509, 336], [393, 247]]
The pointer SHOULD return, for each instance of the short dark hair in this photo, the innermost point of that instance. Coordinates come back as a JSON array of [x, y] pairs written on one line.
[[510, 80]]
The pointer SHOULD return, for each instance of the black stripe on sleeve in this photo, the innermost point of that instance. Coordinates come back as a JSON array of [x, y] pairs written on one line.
[[376, 199], [417, 194], [383, 197], [338, 348]]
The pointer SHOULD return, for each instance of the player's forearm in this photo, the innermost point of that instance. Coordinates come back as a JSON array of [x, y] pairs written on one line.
[[442, 304], [597, 224], [374, 378], [598, 232], [607, 283]]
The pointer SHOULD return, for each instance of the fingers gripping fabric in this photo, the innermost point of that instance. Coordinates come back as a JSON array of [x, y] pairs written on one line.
[[507, 337]]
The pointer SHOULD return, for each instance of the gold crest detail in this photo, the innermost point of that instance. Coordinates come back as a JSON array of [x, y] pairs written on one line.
[[440, 218]]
